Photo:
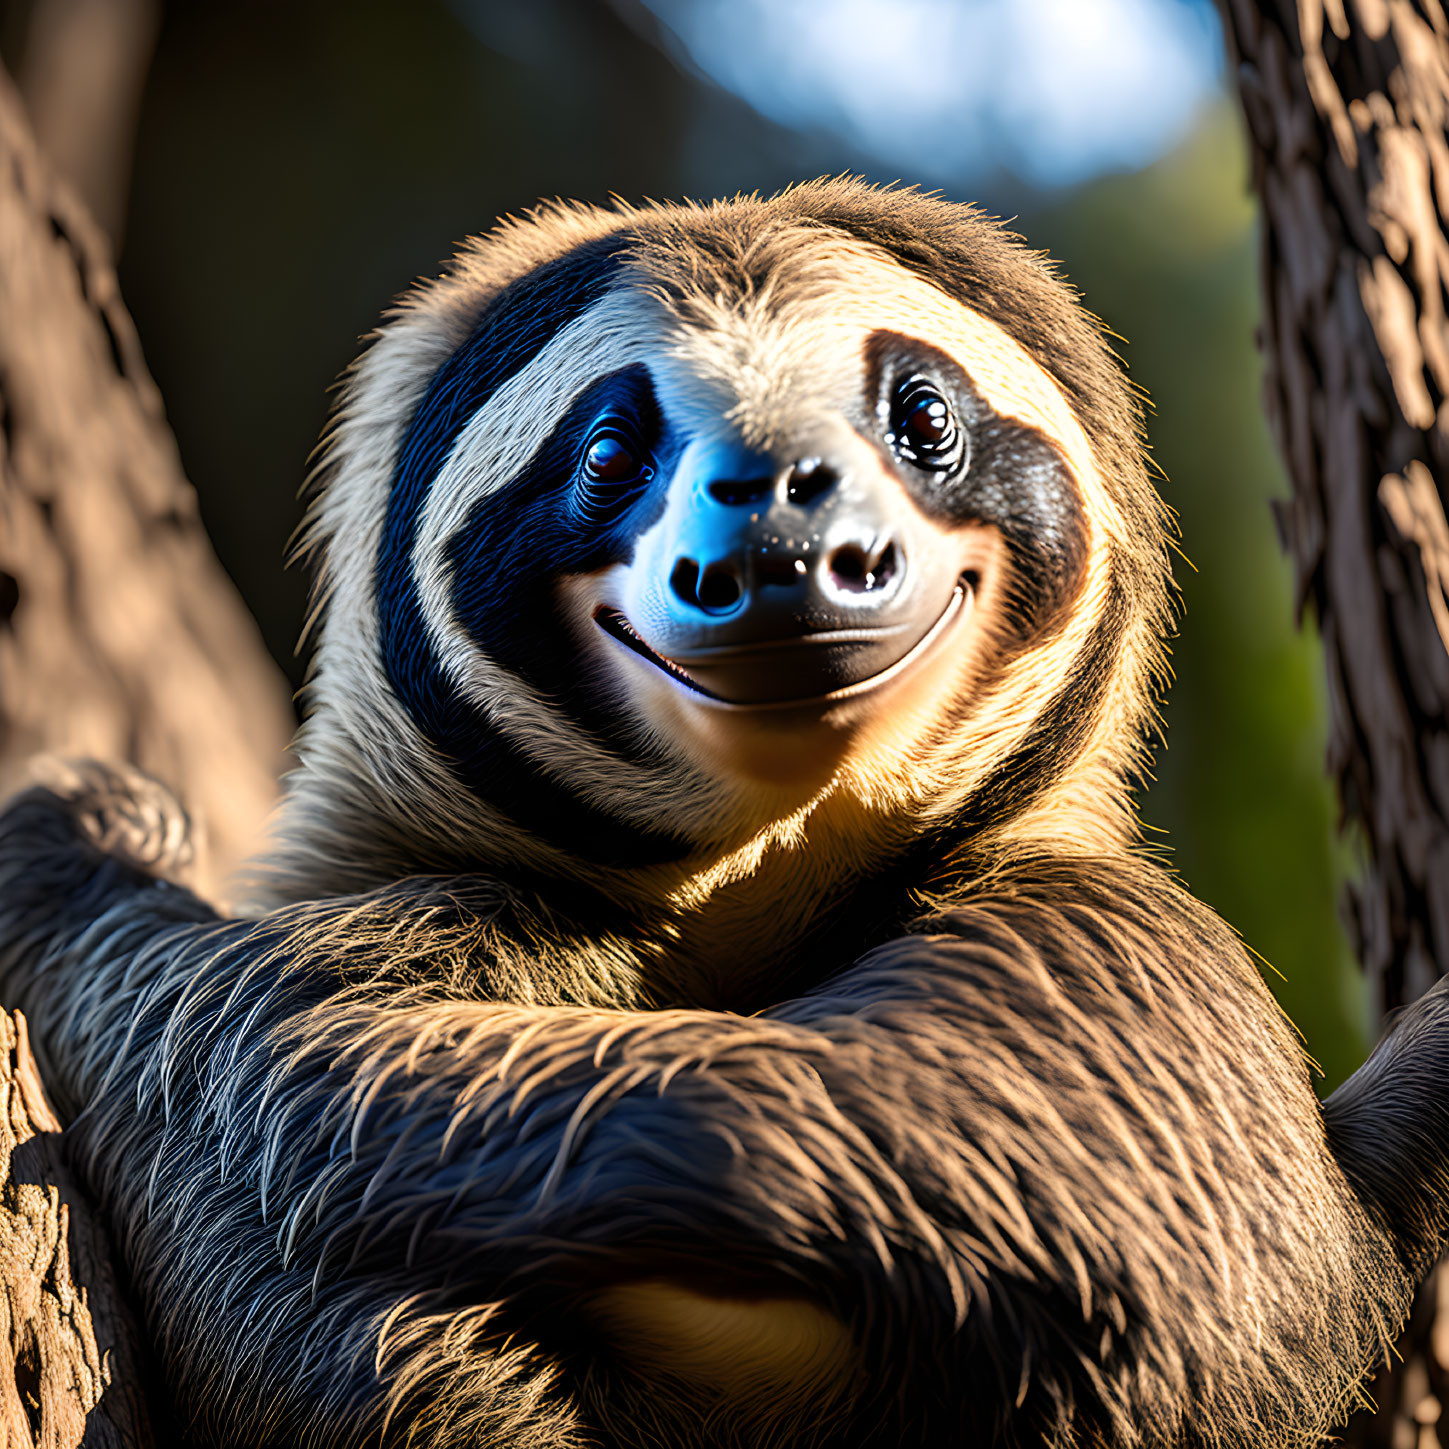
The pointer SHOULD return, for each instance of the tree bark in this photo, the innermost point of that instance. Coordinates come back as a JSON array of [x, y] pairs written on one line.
[[120, 637], [69, 1349], [1347, 106]]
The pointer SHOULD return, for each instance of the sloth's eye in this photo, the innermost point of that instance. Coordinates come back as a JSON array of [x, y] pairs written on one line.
[[612, 459], [613, 471], [923, 428]]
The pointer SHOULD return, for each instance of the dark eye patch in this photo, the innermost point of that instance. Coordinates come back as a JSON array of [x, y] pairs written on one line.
[[511, 331], [553, 519], [1010, 475]]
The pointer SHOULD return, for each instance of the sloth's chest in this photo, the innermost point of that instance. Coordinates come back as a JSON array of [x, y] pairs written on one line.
[[758, 942], [720, 936]]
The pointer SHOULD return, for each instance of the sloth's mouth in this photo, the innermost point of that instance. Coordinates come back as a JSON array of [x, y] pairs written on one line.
[[832, 665], [613, 622]]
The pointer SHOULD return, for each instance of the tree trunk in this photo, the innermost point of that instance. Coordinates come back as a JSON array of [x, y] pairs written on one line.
[[1347, 111], [120, 637], [68, 1345]]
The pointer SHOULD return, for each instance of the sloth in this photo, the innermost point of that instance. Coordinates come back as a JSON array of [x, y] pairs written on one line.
[[708, 987]]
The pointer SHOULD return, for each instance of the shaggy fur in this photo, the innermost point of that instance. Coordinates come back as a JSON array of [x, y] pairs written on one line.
[[1013, 1147], [1058, 1158]]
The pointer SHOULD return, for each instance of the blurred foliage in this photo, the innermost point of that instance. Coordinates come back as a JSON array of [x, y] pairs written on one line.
[[299, 161]]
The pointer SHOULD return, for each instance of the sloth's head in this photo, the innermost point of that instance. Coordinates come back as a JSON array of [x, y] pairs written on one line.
[[649, 538]]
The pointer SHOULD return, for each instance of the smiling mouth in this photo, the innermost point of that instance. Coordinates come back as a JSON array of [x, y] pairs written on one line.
[[612, 622], [789, 656]]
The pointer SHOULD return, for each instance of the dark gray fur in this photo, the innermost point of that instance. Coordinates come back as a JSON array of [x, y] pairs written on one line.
[[1058, 1158]]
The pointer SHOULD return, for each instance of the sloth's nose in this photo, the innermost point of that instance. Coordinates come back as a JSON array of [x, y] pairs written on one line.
[[772, 547], [801, 484]]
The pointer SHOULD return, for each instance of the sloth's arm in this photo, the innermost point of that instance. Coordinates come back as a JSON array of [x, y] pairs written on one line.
[[380, 1113], [84, 876], [962, 1102], [939, 1086], [1066, 1116]]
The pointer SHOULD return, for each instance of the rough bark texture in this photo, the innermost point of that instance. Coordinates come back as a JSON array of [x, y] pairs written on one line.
[[68, 1346], [1347, 103], [120, 637]]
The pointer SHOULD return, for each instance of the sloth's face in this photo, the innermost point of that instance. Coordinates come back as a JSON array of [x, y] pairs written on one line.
[[780, 533], [658, 560], [789, 571]]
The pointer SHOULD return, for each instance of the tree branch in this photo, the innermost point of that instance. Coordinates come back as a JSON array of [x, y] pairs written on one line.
[[120, 637]]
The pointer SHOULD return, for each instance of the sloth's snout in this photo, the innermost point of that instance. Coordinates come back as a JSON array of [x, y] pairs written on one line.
[[780, 553], [768, 584]]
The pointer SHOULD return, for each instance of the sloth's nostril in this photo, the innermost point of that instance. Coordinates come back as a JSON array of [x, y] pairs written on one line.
[[847, 567], [856, 572], [685, 580], [719, 588]]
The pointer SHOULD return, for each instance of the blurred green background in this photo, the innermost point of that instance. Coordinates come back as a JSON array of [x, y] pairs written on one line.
[[279, 170]]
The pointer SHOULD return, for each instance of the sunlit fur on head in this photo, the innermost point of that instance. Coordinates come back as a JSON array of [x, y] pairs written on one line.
[[741, 311]]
